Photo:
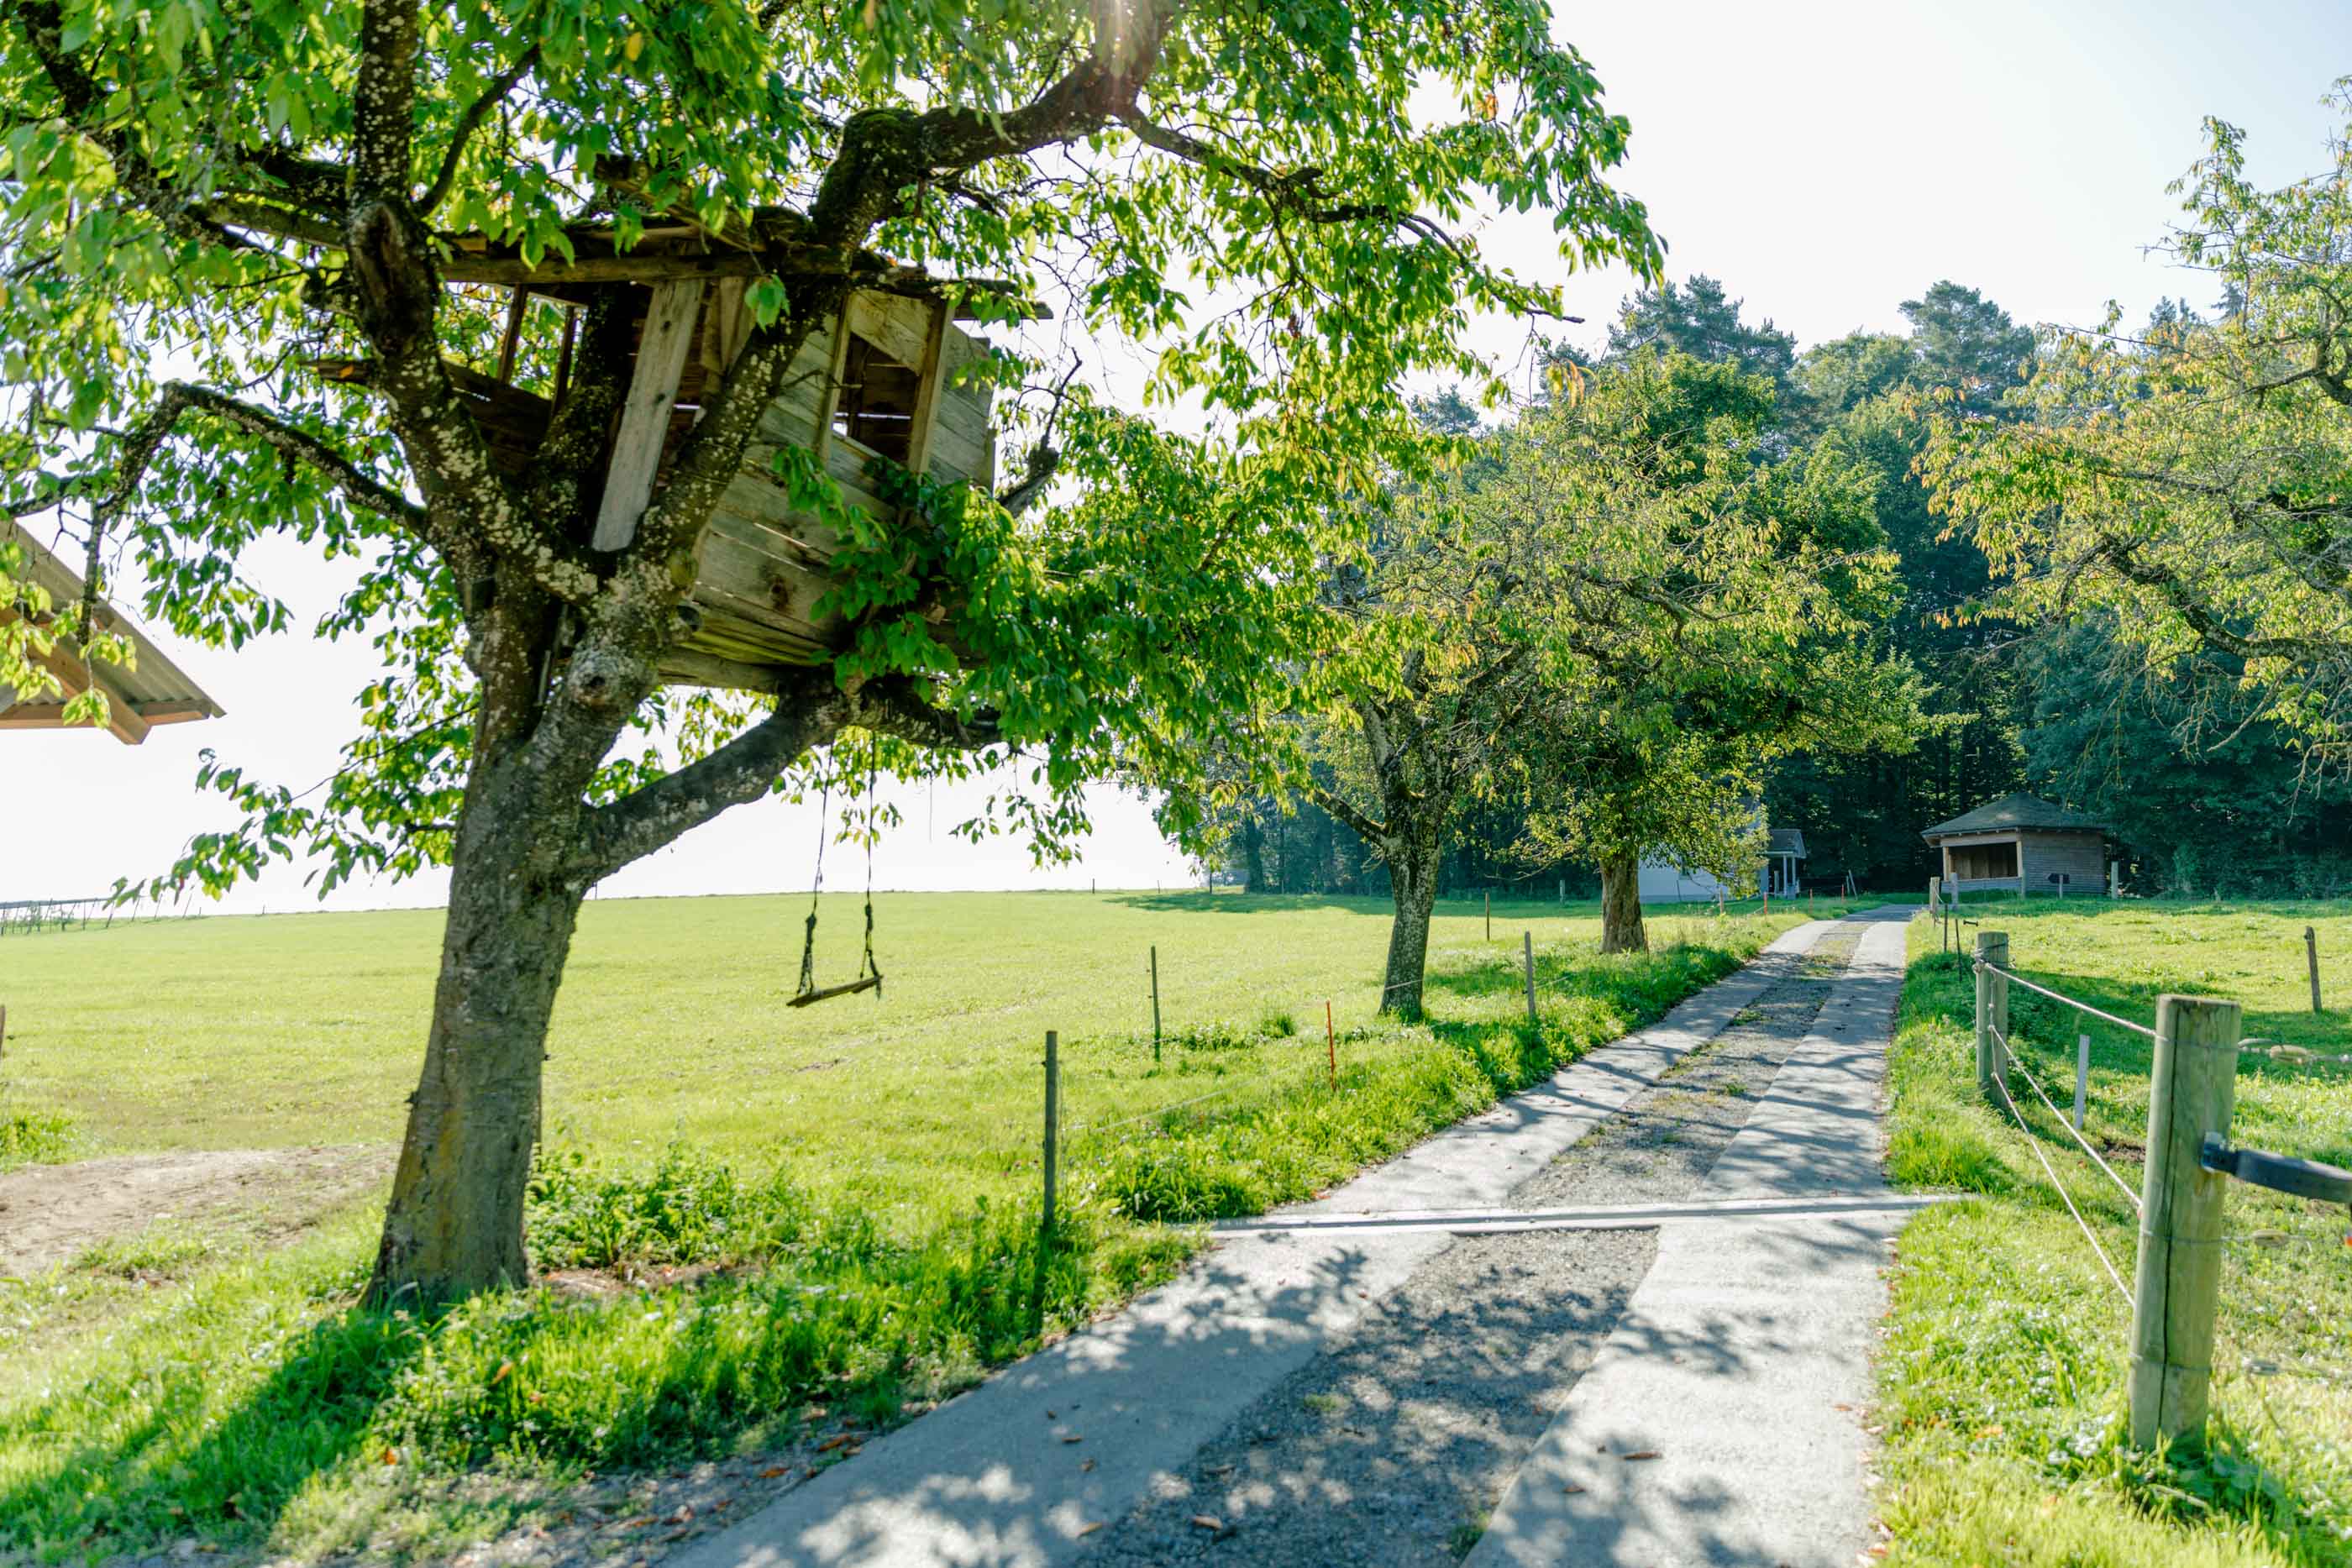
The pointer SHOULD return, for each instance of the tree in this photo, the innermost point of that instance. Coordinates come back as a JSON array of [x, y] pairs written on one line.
[[2215, 799], [1718, 601], [1875, 394], [1702, 321], [2196, 479], [229, 239], [1447, 626]]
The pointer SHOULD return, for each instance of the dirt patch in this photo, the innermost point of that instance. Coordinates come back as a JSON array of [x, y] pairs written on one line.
[[49, 1214]]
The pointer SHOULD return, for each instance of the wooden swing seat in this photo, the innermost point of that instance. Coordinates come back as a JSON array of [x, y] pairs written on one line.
[[825, 993]]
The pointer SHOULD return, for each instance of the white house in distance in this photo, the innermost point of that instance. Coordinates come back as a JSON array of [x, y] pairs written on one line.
[[1662, 882]]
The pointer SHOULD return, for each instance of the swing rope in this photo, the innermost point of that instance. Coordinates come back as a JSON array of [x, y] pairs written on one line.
[[872, 806], [869, 973], [808, 931]]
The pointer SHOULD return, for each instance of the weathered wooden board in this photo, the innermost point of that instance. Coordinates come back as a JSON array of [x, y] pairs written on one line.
[[764, 566], [638, 449]]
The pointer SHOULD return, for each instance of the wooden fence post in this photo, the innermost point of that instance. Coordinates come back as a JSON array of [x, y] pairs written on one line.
[[2180, 1275], [1155, 1004], [2311, 952], [1052, 1121], [1992, 1002], [2082, 1077], [1331, 1043], [1527, 952]]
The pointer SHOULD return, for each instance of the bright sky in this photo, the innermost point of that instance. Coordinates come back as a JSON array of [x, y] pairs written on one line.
[[1827, 160]]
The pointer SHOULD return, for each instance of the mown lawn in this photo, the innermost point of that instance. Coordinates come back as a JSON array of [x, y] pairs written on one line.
[[860, 1179], [2002, 1377]]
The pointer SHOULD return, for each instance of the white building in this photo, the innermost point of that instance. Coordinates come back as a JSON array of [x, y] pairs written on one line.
[[1662, 882]]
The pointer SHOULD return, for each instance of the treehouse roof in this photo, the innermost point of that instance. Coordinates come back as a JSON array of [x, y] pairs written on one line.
[[150, 691]]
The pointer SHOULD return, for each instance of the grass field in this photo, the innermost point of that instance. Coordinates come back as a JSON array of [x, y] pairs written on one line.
[[861, 1177], [2002, 1376]]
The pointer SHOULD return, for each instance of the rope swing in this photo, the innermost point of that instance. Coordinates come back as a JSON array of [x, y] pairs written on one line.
[[869, 973]]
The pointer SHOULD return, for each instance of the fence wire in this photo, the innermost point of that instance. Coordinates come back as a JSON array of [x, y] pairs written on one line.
[[2008, 1055], [2061, 996], [2063, 1195]]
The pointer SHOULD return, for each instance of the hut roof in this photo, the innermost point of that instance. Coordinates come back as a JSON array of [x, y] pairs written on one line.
[[2028, 812], [1787, 842], [150, 690]]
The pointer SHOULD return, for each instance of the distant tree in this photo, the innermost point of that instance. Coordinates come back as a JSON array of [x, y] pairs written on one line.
[[1966, 346], [1700, 319], [1449, 622], [1714, 614], [1874, 394], [2196, 479], [2215, 799], [223, 314]]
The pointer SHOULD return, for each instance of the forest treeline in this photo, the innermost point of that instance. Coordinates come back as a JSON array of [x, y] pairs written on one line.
[[2207, 794]]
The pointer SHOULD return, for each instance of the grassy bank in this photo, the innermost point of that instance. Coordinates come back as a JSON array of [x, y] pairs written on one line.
[[2003, 1375], [825, 1216]]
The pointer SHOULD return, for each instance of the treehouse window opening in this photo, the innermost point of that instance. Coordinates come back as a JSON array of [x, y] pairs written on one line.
[[877, 406]]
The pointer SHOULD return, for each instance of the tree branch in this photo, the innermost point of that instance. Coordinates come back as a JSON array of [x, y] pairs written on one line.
[[384, 101], [810, 711], [360, 487], [1346, 811], [468, 123]]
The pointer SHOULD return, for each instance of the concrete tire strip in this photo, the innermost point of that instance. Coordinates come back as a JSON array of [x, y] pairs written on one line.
[[1023, 1470], [1742, 1361]]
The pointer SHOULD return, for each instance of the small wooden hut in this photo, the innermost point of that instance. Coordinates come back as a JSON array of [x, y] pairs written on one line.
[[150, 690], [2023, 844], [880, 380]]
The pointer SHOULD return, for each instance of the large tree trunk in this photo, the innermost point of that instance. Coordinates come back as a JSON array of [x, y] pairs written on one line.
[[1413, 886], [1620, 905], [455, 1223]]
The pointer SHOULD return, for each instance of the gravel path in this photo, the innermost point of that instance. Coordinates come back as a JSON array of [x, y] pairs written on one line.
[[1390, 1448]]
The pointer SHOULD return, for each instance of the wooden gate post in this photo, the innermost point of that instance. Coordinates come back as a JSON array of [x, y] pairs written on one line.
[[1992, 1002], [2180, 1274]]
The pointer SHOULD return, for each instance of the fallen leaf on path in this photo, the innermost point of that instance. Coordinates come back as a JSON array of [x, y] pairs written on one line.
[[830, 1444], [1086, 1466], [685, 1511], [1073, 1437], [1208, 1521], [773, 1471], [1640, 1454], [1571, 1492], [638, 1523], [1219, 1470], [1090, 1528]]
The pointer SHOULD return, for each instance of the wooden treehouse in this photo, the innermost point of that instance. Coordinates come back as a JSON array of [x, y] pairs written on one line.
[[879, 380], [150, 691]]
